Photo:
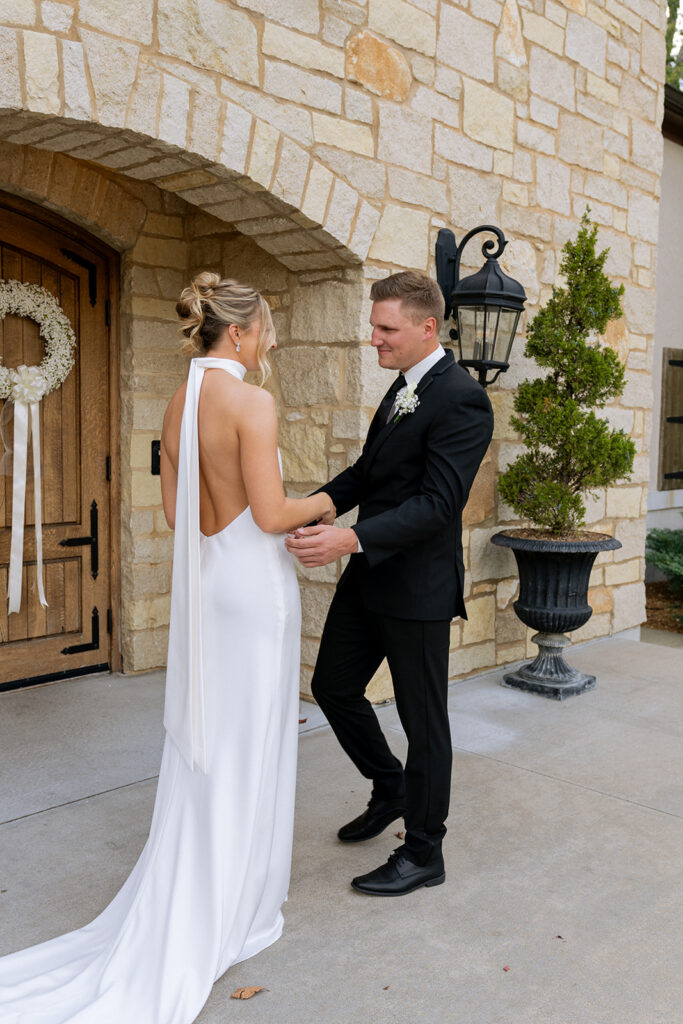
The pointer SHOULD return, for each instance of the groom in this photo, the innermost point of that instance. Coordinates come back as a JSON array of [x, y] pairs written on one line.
[[404, 581]]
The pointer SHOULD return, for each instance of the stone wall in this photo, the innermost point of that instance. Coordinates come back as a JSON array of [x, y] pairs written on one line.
[[318, 145]]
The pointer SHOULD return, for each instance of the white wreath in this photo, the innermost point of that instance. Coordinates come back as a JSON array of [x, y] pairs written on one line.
[[31, 383], [25, 386]]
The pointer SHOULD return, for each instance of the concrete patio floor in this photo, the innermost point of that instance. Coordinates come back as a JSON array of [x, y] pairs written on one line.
[[564, 854]]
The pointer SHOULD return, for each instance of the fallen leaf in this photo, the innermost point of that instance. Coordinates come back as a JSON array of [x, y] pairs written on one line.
[[560, 937], [506, 968], [302, 720], [400, 835], [385, 988], [247, 993]]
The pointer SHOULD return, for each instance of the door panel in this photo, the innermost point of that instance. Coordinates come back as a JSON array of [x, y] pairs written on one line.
[[75, 425]]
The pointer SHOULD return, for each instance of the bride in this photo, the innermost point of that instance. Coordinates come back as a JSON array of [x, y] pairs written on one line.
[[207, 890]]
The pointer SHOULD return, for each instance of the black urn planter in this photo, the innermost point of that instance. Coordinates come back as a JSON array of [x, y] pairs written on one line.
[[553, 599]]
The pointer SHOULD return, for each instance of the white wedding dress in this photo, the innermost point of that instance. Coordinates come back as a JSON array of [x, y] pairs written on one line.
[[209, 884]]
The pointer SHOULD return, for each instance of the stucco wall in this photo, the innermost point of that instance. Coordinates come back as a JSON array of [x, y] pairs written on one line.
[[337, 137]]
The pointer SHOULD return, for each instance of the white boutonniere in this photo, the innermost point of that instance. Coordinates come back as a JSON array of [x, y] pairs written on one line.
[[406, 401]]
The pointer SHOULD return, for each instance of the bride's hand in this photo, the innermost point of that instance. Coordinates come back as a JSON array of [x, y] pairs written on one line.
[[330, 514]]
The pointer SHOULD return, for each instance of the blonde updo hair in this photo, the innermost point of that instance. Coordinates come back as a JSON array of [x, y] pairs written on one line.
[[211, 303]]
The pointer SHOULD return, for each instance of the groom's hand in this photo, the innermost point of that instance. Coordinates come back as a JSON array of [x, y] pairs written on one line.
[[319, 545]]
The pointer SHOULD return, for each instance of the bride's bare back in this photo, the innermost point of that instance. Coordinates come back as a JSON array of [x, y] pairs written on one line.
[[238, 461]]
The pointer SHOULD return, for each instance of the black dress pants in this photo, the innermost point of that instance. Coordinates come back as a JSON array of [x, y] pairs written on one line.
[[354, 643]]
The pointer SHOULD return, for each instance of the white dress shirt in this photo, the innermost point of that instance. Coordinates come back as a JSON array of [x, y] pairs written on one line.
[[413, 376]]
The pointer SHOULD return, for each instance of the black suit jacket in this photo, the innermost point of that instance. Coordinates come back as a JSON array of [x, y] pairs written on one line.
[[411, 484]]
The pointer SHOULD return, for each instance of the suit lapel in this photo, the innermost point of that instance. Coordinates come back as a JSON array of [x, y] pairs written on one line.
[[385, 430]]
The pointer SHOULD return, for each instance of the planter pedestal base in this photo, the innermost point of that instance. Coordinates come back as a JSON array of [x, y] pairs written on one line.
[[549, 674]]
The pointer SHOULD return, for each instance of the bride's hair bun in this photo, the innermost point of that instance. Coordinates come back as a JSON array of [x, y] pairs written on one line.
[[212, 303], [192, 309]]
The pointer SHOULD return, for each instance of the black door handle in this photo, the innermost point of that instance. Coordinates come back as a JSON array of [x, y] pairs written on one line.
[[92, 540]]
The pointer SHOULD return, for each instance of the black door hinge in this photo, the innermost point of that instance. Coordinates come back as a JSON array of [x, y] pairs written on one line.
[[107, 471], [95, 633], [110, 621]]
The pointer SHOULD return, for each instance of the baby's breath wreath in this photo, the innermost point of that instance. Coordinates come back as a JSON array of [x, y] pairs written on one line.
[[31, 383], [24, 387]]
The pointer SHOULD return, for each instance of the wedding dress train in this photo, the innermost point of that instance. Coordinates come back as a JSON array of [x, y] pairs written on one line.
[[207, 889]]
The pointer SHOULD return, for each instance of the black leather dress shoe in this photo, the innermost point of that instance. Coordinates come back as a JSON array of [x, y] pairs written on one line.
[[374, 819], [400, 876]]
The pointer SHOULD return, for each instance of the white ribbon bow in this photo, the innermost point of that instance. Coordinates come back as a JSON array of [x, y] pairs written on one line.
[[28, 389]]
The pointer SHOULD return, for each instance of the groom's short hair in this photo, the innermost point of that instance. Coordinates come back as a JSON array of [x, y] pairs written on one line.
[[420, 295]]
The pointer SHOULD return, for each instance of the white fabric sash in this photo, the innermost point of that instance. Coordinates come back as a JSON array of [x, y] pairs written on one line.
[[184, 706], [26, 421]]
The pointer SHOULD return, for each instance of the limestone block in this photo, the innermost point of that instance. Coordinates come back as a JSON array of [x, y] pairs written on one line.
[[351, 423], [652, 51], [405, 138], [602, 90], [309, 375], [358, 106], [300, 50], [586, 43], [402, 238], [423, 69], [456, 147], [10, 79], [488, 116], [303, 453], [520, 261], [145, 490], [210, 34], [535, 138], [482, 498], [403, 23], [506, 592], [301, 14], [143, 107], [335, 131], [551, 78], [113, 66], [623, 572], [381, 68], [341, 211], [147, 613], [543, 112], [291, 173], [236, 136], [510, 41], [553, 185], [541, 30], [646, 146], [317, 192], [601, 599], [418, 189], [471, 659], [55, 16], [367, 175], [629, 606], [513, 81], [42, 72], [509, 629], [291, 120], [631, 533], [597, 625], [327, 312], [366, 381], [623, 502], [263, 152], [305, 87], [580, 142], [465, 43], [161, 252], [487, 561], [638, 99], [448, 82], [598, 187], [436, 107], [120, 18], [367, 220], [481, 620]]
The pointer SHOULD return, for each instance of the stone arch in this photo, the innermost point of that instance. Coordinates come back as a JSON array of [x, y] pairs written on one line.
[[236, 167]]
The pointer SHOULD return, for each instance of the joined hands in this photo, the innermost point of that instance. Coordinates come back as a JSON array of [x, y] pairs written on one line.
[[321, 544]]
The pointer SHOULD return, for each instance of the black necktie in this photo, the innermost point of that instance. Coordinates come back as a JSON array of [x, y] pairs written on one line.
[[399, 383]]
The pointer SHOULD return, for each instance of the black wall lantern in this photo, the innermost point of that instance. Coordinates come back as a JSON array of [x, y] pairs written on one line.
[[486, 306]]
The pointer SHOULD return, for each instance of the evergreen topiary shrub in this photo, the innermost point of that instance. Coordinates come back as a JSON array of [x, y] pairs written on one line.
[[570, 451]]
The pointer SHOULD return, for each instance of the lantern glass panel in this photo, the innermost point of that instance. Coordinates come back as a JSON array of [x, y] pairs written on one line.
[[471, 331], [507, 327]]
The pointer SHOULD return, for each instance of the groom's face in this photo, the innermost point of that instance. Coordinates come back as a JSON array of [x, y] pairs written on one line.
[[401, 342]]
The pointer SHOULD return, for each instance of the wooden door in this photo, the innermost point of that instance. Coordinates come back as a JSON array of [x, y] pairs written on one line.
[[73, 635]]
